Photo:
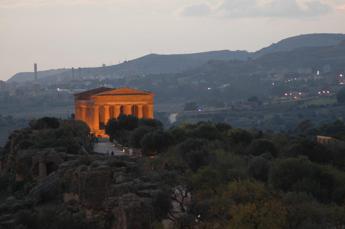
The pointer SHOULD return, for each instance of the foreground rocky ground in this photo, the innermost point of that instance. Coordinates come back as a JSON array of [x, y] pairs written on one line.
[[66, 185]]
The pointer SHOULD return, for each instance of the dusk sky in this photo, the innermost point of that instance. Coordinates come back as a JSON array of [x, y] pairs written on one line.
[[85, 33]]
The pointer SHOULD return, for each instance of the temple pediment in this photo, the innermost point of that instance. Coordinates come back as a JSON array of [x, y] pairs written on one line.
[[123, 91], [89, 93], [104, 91]]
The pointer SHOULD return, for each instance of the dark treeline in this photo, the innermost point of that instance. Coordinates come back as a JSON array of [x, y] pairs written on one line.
[[203, 175], [237, 178]]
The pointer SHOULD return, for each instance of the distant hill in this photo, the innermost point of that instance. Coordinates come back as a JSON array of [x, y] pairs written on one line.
[[149, 64], [315, 58], [307, 40], [23, 77], [155, 63], [306, 57], [179, 63], [242, 79]]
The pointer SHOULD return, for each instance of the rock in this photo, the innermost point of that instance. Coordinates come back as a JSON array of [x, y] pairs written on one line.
[[47, 190], [132, 212]]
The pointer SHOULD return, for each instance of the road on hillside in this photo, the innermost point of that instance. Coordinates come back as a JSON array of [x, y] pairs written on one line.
[[107, 148]]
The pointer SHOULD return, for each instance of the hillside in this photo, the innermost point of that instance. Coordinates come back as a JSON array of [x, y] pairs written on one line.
[[22, 77], [149, 64], [226, 81], [177, 63], [307, 40]]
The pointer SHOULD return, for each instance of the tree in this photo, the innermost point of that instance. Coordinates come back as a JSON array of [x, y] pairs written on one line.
[[194, 153], [239, 136], [254, 207], [119, 128], [304, 127], [206, 179], [162, 204], [223, 127], [262, 146], [112, 128], [305, 212], [301, 175], [153, 123], [293, 174], [207, 131], [45, 123], [155, 142], [127, 122], [178, 134], [341, 96], [268, 214], [258, 168], [137, 135], [315, 152]]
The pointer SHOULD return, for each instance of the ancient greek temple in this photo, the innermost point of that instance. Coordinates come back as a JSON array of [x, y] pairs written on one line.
[[95, 107]]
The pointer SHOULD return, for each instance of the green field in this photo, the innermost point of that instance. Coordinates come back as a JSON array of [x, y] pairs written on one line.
[[319, 102]]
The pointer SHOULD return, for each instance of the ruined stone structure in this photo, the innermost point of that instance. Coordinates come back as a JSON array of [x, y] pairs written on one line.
[[324, 140], [95, 107]]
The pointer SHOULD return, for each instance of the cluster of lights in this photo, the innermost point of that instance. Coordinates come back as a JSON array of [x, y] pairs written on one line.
[[291, 94], [324, 92], [290, 80]]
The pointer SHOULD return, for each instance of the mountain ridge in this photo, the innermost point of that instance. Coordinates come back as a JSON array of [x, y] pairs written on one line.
[[176, 63]]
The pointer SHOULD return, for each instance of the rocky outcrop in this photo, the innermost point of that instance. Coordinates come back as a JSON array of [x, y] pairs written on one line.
[[116, 192], [112, 187], [131, 211]]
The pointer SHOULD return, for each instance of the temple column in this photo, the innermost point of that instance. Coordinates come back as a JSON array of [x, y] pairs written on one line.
[[95, 121], [82, 114], [116, 111], [140, 111], [150, 111], [128, 109], [77, 112], [106, 114]]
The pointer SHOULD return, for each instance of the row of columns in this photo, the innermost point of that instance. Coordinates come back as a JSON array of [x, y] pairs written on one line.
[[93, 117]]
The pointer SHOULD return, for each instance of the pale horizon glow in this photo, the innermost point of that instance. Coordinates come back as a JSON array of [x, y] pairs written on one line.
[[86, 33]]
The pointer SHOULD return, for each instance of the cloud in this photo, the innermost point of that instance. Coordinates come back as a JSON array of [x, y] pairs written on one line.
[[38, 3], [197, 10], [341, 7], [260, 8]]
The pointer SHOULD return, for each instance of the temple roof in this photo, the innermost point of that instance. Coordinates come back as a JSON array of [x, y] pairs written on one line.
[[104, 91], [92, 92], [124, 91]]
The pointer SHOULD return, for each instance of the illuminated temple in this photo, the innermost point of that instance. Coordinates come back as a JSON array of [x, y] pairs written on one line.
[[95, 107]]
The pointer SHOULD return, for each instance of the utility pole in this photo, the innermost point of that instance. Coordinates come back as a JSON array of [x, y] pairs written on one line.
[[35, 70]]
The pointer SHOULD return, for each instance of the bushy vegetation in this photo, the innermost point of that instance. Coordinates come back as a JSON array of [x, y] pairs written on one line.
[[68, 135], [147, 134], [248, 179], [216, 176]]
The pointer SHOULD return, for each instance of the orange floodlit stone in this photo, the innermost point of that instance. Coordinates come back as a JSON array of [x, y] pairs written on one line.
[[95, 107]]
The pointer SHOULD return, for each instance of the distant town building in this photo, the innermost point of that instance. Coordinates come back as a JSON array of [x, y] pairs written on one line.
[[325, 140], [95, 107]]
